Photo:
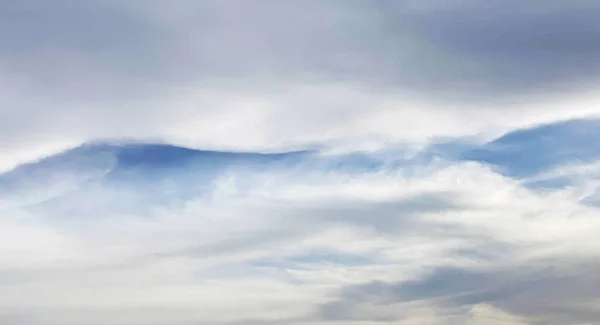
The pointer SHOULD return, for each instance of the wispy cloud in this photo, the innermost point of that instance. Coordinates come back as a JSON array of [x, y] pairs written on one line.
[[292, 239]]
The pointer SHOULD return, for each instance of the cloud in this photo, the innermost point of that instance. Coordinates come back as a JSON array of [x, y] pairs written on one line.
[[554, 295], [509, 47], [432, 47], [299, 238], [298, 162], [234, 75]]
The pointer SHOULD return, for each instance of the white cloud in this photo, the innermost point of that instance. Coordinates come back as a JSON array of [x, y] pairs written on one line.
[[252, 252], [295, 245]]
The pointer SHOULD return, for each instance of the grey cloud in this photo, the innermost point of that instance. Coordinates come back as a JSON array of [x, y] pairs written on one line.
[[107, 68], [516, 46], [558, 294], [31, 25], [467, 47]]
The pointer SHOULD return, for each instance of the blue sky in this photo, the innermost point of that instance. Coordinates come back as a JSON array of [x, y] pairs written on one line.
[[299, 162]]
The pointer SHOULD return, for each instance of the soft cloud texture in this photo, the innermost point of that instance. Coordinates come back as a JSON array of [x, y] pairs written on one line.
[[272, 74], [299, 162], [294, 238]]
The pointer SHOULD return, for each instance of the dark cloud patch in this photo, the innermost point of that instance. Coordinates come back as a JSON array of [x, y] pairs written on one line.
[[502, 47], [552, 295]]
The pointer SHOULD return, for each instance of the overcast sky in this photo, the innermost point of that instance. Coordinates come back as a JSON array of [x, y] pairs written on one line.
[[268, 74], [450, 175]]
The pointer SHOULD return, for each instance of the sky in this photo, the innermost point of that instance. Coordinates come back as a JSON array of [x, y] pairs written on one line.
[[299, 162]]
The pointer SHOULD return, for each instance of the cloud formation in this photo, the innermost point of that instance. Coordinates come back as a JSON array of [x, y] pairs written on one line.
[[268, 75], [292, 238], [299, 162]]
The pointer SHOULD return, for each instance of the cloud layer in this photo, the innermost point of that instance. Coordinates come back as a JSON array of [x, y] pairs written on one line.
[[158, 234], [299, 162], [269, 74]]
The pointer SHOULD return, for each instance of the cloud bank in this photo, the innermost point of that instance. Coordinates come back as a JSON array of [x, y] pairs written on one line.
[[268, 75]]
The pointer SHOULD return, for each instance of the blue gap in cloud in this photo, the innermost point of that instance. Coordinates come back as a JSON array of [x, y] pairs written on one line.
[[163, 172], [528, 152]]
